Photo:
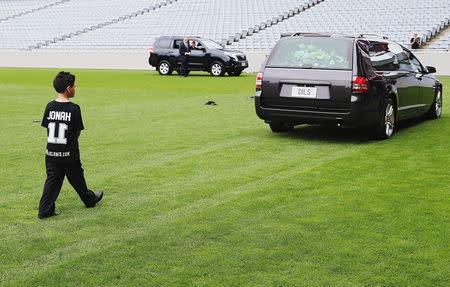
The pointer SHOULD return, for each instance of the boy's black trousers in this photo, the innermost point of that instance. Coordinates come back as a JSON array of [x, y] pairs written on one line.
[[55, 177]]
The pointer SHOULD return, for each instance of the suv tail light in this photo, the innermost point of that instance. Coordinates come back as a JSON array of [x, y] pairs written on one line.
[[360, 85], [152, 50], [259, 79]]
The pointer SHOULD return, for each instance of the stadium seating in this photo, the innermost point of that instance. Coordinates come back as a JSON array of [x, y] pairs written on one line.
[[426, 17], [11, 9], [214, 19], [245, 25], [68, 19], [442, 43]]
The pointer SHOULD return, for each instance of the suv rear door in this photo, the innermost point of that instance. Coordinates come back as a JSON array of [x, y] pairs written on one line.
[[309, 73], [174, 52]]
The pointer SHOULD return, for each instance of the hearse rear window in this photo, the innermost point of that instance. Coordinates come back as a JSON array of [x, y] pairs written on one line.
[[312, 53]]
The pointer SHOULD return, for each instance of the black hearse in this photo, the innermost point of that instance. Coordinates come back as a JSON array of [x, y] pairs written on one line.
[[356, 81]]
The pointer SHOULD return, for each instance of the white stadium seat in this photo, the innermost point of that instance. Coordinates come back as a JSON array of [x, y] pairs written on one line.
[[245, 25]]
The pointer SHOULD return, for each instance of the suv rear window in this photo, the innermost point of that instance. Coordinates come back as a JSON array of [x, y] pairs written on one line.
[[164, 42], [313, 53]]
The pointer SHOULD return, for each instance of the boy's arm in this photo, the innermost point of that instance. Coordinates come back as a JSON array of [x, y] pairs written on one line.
[[79, 126], [78, 122], [44, 121]]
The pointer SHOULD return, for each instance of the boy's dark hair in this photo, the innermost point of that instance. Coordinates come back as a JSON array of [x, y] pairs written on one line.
[[62, 81]]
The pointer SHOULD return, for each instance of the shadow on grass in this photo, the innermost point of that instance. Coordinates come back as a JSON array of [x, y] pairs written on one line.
[[411, 123], [344, 135], [329, 134]]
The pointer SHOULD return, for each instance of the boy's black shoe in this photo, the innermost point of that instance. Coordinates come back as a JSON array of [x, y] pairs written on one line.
[[49, 215], [98, 197]]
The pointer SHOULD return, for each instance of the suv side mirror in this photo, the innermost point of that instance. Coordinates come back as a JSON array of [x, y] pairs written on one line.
[[431, 70]]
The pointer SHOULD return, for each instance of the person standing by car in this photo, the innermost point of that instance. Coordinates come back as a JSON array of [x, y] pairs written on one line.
[[185, 51], [415, 42]]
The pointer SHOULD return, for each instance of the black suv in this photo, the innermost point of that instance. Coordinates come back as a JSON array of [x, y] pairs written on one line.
[[355, 81], [209, 56]]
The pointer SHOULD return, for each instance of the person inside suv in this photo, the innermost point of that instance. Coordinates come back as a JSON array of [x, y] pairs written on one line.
[[194, 45]]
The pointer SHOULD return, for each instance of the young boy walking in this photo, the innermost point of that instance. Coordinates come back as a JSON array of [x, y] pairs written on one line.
[[64, 124]]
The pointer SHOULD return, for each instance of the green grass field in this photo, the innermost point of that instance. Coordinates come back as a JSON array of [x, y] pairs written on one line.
[[201, 195]]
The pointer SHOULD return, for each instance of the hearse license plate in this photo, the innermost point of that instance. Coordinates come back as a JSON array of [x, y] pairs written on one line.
[[304, 92]]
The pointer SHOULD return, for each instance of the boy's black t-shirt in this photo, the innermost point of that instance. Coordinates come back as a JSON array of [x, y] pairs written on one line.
[[63, 121]]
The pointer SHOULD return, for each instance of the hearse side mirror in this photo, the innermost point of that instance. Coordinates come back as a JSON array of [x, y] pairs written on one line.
[[431, 70]]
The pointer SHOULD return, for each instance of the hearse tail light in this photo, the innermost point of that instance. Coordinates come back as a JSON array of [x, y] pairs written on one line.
[[152, 50], [360, 85], [259, 79]]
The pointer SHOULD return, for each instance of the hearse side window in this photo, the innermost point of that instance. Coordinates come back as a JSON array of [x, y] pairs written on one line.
[[389, 57], [416, 66], [382, 58], [312, 53]]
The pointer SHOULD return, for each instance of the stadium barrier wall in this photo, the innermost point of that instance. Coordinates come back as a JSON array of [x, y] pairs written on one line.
[[139, 60]]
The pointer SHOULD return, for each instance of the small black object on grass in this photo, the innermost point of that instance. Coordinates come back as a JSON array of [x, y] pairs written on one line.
[[211, 103], [36, 121]]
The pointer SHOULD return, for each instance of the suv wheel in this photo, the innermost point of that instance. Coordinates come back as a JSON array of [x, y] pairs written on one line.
[[217, 69], [235, 73], [436, 108], [280, 127], [386, 121], [164, 68]]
